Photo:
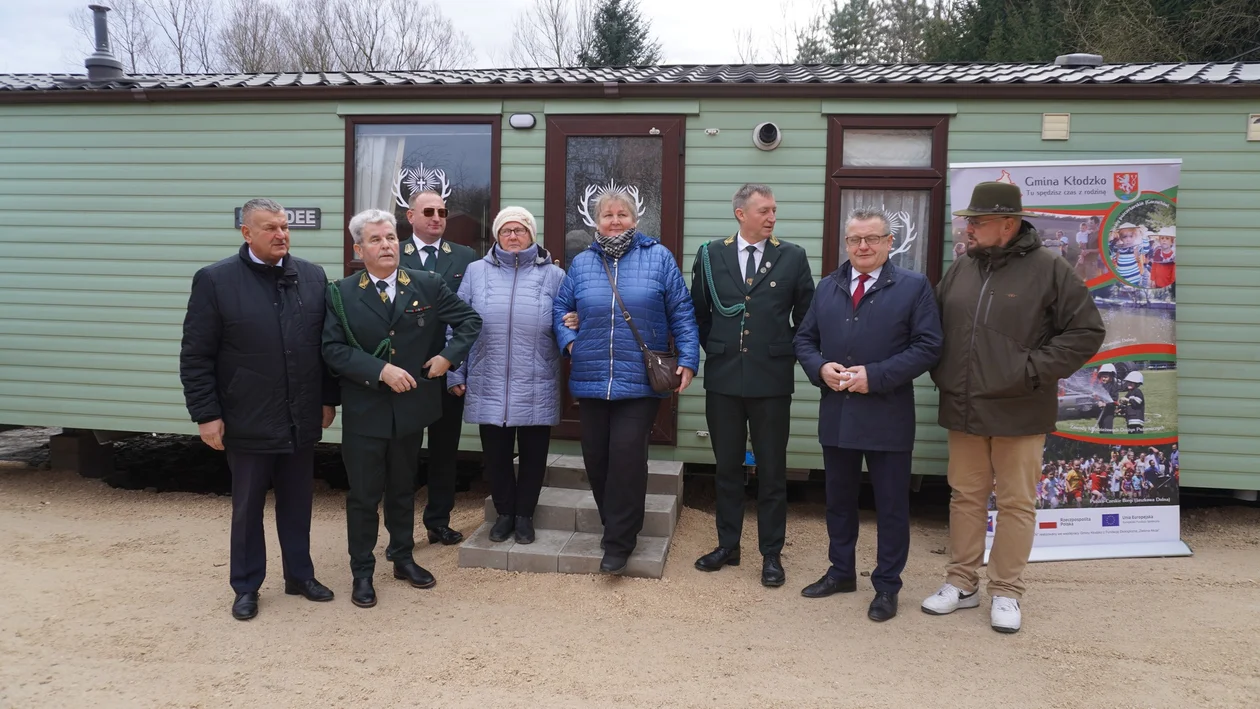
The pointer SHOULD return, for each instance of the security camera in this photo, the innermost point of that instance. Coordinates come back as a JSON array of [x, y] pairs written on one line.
[[766, 136]]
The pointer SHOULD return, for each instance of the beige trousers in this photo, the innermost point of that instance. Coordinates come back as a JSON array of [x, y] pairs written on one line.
[[974, 464]]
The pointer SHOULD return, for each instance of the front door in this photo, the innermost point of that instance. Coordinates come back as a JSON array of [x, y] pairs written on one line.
[[589, 154]]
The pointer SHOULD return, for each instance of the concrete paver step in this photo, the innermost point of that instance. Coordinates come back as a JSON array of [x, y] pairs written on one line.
[[665, 477], [574, 510], [559, 551]]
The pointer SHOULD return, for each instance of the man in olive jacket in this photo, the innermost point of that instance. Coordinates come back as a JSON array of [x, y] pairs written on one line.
[[427, 250], [379, 331], [750, 292], [1016, 319]]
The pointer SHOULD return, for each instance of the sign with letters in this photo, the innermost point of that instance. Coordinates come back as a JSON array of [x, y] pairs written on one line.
[[299, 217], [1109, 484]]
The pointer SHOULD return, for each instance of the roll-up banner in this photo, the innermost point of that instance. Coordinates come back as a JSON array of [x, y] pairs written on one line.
[[1109, 480]]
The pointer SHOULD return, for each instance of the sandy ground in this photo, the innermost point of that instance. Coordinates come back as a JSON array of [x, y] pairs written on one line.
[[119, 598]]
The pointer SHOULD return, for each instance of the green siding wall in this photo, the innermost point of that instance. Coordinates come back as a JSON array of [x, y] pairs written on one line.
[[107, 210]]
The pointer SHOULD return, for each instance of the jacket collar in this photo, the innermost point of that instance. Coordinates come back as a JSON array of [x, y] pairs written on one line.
[[887, 276], [1025, 242], [286, 267], [641, 241], [541, 257]]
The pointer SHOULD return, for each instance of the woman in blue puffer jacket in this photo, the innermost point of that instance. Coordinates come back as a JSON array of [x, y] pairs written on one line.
[[511, 379], [616, 404]]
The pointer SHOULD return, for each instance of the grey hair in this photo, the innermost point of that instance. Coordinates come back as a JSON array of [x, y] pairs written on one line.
[[615, 196], [411, 201], [748, 190], [260, 204], [862, 214], [369, 216]]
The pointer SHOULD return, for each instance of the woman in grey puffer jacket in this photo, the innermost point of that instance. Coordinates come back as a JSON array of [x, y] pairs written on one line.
[[511, 379]]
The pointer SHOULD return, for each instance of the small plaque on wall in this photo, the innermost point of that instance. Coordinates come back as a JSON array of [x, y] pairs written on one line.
[[299, 217]]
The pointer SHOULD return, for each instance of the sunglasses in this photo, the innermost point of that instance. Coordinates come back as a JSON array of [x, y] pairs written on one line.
[[429, 211]]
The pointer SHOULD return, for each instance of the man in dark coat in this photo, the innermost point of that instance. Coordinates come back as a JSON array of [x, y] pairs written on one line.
[[1016, 319], [256, 386], [428, 251], [871, 330], [750, 291], [381, 325]]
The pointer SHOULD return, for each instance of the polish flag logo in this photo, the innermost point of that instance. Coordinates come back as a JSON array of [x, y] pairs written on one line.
[[1047, 525]]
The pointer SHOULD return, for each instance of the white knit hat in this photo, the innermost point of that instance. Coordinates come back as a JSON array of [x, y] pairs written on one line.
[[516, 214]]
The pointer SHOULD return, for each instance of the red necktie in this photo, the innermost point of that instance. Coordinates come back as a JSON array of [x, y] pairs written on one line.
[[860, 290]]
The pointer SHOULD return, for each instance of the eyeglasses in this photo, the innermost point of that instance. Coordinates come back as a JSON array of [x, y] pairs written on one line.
[[870, 240], [429, 211], [519, 231], [977, 221]]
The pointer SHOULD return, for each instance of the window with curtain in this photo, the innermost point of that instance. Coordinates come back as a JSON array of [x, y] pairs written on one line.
[[456, 160], [892, 163]]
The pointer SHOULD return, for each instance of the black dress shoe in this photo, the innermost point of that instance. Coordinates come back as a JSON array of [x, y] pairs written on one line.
[[772, 571], [363, 595], [883, 607], [827, 586], [245, 606], [309, 589], [613, 564], [502, 528], [716, 559], [524, 530], [446, 535], [414, 574]]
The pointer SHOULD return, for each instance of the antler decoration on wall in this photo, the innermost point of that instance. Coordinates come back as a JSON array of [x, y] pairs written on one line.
[[420, 179], [902, 227], [593, 193]]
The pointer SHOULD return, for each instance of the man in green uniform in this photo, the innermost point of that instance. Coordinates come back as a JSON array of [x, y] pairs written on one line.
[[751, 291], [381, 326], [428, 251]]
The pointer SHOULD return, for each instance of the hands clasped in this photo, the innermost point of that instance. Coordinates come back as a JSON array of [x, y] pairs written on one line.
[[838, 378], [399, 380]]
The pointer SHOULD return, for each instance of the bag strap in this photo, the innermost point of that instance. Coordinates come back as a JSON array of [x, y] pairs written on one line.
[[620, 304]]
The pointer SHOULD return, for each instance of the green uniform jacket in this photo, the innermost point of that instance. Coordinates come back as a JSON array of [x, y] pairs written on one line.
[[452, 260], [415, 324], [751, 354]]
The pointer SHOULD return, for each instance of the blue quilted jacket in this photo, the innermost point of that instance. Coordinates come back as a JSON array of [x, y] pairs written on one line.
[[607, 362], [513, 370]]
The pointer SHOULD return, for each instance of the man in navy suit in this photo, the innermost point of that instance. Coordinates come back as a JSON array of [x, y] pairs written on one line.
[[872, 329]]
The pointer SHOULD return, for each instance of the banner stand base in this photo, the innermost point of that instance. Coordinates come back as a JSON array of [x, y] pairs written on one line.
[[1107, 551]]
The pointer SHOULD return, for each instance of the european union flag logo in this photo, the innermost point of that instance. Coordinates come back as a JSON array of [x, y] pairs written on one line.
[[1111, 520]]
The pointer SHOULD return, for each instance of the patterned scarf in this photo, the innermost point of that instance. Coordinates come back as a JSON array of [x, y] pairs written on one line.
[[616, 246]]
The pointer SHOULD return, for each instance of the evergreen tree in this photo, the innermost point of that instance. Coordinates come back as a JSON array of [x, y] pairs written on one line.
[[620, 36]]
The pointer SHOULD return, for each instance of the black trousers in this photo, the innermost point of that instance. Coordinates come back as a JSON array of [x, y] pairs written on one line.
[[380, 468], [515, 494], [443, 451], [890, 478], [730, 418], [615, 438], [293, 476]]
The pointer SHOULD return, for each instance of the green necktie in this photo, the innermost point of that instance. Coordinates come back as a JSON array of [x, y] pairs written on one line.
[[430, 257]]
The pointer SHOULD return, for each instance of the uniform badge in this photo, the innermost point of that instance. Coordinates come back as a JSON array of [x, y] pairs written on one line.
[[768, 264], [409, 249], [774, 240], [364, 280], [418, 311], [446, 248], [748, 281], [772, 284], [729, 240], [403, 278]]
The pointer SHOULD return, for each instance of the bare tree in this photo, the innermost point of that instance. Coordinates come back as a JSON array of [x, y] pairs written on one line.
[[776, 42], [177, 23], [552, 33], [248, 40], [384, 35], [130, 35], [311, 45], [746, 49]]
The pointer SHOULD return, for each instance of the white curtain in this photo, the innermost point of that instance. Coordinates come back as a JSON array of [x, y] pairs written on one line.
[[887, 147], [377, 160], [910, 211]]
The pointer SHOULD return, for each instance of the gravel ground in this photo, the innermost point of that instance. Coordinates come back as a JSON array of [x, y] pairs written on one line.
[[119, 598]]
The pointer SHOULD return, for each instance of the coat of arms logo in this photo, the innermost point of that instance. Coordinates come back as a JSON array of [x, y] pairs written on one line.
[[1126, 185], [592, 193], [420, 179]]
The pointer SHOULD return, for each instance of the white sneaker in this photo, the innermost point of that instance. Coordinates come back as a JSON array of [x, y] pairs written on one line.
[[948, 599], [1004, 616]]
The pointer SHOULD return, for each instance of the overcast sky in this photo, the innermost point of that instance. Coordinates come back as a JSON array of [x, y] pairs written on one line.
[[35, 35]]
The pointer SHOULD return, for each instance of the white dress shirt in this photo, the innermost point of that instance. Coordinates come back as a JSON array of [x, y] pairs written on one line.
[[392, 284], [853, 279], [760, 252], [424, 255], [255, 259]]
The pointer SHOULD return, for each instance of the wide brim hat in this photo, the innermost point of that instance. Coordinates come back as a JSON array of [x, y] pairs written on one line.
[[997, 199], [1169, 232]]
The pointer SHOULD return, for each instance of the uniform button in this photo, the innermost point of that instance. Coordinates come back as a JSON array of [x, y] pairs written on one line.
[[391, 333], [747, 332], [747, 314], [748, 297], [393, 352], [744, 350]]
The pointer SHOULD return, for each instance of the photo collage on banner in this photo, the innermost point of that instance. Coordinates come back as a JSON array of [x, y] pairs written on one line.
[[1110, 473]]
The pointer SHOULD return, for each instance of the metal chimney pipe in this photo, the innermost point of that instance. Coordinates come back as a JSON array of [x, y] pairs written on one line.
[[102, 66]]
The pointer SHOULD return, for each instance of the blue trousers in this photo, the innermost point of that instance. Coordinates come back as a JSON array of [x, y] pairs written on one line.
[[293, 477], [890, 478]]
